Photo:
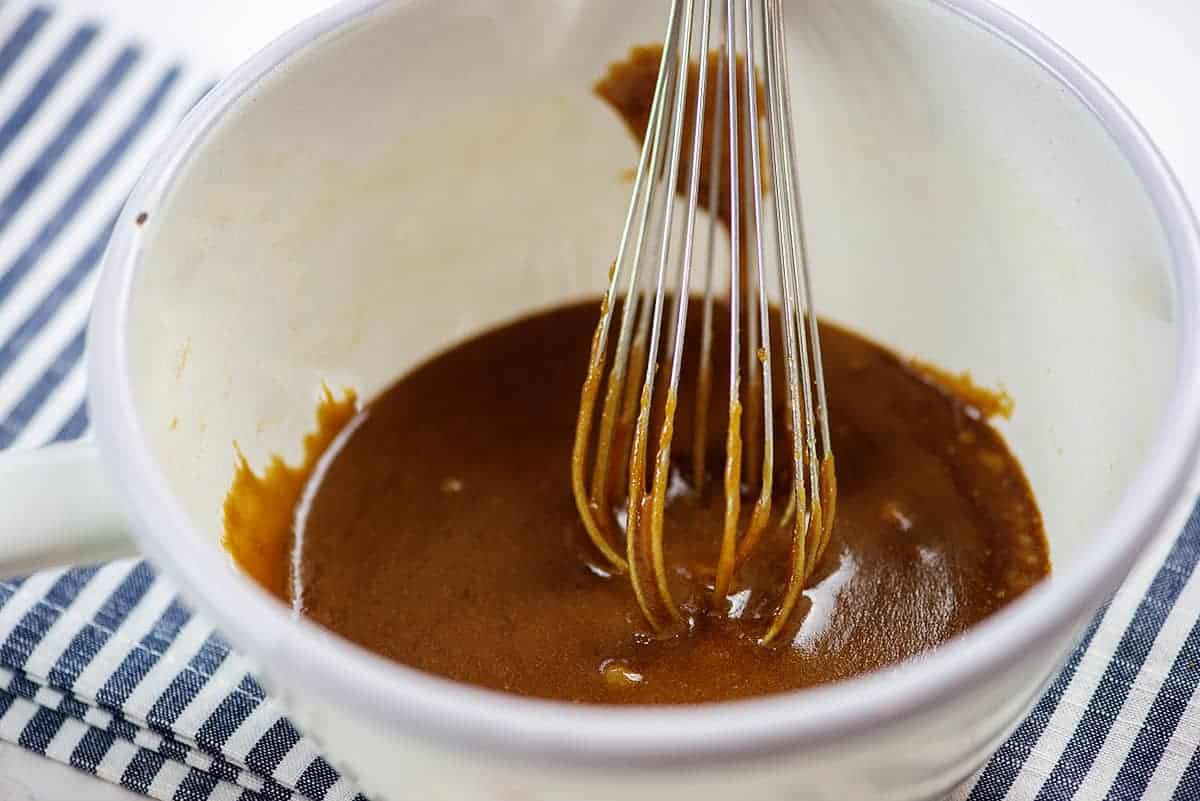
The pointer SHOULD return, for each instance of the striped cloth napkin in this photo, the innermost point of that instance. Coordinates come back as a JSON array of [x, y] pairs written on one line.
[[103, 668]]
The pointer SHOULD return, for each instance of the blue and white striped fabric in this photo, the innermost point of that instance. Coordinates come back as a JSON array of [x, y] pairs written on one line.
[[82, 108], [103, 668]]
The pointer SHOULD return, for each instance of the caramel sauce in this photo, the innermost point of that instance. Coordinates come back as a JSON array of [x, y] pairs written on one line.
[[443, 533]]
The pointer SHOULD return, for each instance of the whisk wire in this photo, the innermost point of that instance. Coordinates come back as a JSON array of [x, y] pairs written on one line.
[[704, 374], [733, 435]]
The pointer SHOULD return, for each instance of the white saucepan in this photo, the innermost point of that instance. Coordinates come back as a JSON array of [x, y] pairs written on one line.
[[392, 176]]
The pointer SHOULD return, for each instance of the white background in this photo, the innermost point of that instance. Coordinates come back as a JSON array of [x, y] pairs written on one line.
[[1147, 51]]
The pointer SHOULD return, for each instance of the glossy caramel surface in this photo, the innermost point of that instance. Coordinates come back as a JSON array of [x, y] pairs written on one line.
[[443, 534]]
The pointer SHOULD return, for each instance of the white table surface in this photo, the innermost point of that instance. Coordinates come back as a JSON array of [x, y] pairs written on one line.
[[1147, 51]]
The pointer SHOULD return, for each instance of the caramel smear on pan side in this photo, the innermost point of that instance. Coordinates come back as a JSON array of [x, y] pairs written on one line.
[[990, 403], [259, 510]]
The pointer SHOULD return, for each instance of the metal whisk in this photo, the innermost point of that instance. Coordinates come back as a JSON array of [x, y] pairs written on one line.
[[650, 284]]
